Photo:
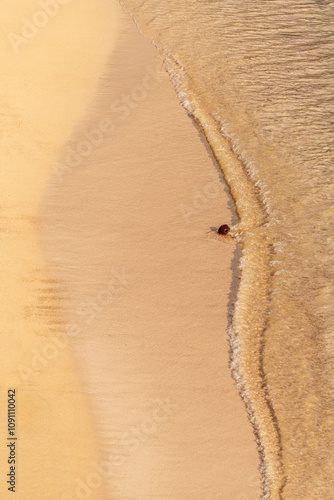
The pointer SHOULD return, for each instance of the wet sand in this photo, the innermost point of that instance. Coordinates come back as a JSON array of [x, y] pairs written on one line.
[[117, 290], [127, 225]]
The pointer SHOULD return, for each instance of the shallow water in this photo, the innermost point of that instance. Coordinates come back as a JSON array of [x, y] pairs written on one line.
[[258, 77]]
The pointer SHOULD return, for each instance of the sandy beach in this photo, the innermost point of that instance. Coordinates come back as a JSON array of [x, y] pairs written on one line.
[[116, 289]]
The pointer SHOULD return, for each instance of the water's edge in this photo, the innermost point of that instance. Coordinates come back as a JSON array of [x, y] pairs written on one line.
[[248, 373], [256, 101]]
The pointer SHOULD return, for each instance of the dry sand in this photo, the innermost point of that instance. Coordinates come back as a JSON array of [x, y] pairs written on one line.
[[109, 194], [46, 83]]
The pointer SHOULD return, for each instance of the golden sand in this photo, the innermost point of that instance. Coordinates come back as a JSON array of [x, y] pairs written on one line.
[[49, 74]]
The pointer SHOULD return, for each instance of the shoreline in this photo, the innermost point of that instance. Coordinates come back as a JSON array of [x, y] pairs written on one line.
[[236, 77], [145, 206]]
